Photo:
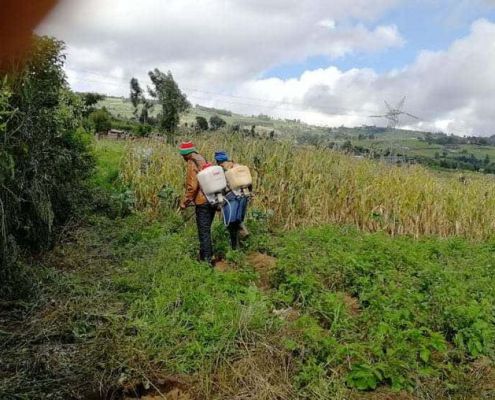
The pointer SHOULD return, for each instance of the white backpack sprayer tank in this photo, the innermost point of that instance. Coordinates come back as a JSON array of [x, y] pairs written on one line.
[[239, 179], [212, 182]]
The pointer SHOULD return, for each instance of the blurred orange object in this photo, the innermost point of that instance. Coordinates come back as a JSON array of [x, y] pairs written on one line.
[[18, 19]]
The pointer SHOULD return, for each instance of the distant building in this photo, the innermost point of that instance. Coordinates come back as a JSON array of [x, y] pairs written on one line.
[[113, 134]]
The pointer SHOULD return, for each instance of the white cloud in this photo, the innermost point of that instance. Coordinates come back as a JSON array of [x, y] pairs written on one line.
[[224, 46], [212, 43], [327, 23], [451, 90]]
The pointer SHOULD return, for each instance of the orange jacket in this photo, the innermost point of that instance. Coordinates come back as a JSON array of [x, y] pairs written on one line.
[[194, 194]]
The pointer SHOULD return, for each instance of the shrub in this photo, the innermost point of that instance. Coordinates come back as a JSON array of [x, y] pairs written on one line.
[[201, 123], [44, 157], [101, 120], [395, 310], [216, 122], [142, 130]]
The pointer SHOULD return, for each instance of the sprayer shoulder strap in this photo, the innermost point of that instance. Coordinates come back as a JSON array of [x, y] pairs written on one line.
[[199, 170], [196, 162]]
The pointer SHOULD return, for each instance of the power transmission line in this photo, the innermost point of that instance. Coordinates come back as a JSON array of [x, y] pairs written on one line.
[[274, 106], [275, 103]]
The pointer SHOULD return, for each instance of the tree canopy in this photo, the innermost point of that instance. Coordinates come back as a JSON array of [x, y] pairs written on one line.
[[216, 122], [201, 123], [101, 120], [171, 99]]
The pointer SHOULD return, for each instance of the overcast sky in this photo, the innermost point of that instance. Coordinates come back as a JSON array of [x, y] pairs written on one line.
[[324, 62]]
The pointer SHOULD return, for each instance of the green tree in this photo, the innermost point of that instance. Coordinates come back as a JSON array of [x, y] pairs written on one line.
[[171, 99], [144, 118], [90, 100], [101, 120], [137, 98], [201, 123], [44, 156], [142, 130], [253, 130], [347, 146], [216, 122], [136, 94]]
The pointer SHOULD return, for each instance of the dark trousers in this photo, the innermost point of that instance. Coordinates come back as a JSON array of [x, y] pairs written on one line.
[[205, 214], [234, 228]]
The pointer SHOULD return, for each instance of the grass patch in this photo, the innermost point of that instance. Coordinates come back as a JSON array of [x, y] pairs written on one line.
[[108, 158], [425, 307], [125, 303], [123, 308]]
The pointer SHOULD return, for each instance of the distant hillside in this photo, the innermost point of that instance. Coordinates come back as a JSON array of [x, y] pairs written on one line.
[[399, 145], [121, 108]]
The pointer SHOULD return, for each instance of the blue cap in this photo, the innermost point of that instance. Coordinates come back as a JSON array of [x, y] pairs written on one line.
[[221, 156]]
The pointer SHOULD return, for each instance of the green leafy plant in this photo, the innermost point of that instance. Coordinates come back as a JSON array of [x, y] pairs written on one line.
[[45, 159]]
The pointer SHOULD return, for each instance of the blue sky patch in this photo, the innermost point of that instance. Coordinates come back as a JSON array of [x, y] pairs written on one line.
[[424, 25]]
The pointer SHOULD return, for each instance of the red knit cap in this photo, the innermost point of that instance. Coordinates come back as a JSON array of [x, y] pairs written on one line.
[[187, 148]]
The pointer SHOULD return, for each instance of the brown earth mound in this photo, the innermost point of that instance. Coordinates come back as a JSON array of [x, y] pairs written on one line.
[[352, 305], [222, 266], [264, 265], [168, 388]]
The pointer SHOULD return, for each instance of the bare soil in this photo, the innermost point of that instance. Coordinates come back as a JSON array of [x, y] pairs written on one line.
[[352, 305], [168, 388], [264, 266]]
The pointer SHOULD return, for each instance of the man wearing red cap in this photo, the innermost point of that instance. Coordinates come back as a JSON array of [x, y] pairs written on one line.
[[205, 212]]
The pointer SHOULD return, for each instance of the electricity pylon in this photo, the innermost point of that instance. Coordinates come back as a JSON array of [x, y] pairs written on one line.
[[393, 114]]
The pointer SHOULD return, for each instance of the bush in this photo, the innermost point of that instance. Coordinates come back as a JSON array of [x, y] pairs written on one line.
[[201, 123], [216, 122], [101, 120], [124, 125], [142, 130], [44, 158]]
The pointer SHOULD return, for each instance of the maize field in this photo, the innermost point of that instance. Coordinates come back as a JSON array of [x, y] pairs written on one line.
[[305, 186]]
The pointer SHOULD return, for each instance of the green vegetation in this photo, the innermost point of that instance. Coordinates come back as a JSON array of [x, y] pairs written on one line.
[[437, 150], [137, 98], [340, 292], [300, 187], [201, 123], [101, 121], [397, 311], [171, 100], [216, 122], [44, 158], [122, 108], [434, 150], [324, 312], [89, 102]]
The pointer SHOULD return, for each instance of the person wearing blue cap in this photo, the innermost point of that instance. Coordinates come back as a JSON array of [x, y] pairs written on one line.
[[235, 209], [221, 157]]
